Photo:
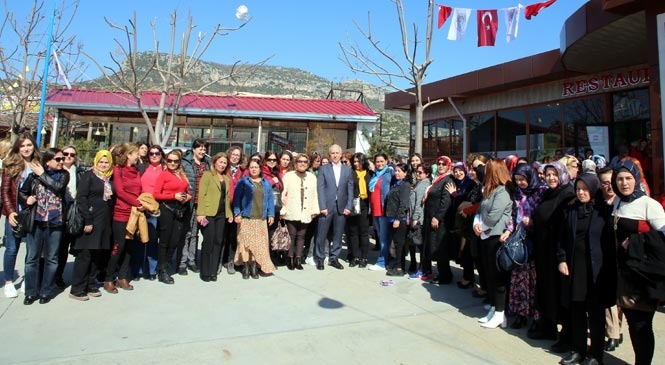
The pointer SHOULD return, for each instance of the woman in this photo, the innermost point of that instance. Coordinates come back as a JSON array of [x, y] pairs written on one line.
[[436, 203], [273, 173], [253, 206], [235, 172], [95, 201], [70, 165], [144, 256], [143, 156], [397, 211], [379, 185], [16, 171], [300, 205], [546, 220], [172, 193], [358, 224], [468, 213], [314, 162], [572, 165], [459, 190], [285, 163], [529, 192], [44, 192], [586, 256], [490, 224], [415, 160], [423, 182], [639, 222], [213, 213], [127, 187]]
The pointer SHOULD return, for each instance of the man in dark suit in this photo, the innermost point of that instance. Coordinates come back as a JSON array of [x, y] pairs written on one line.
[[335, 190]]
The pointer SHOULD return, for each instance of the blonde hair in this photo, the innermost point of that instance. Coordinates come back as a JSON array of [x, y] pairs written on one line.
[[5, 146], [14, 163], [179, 171], [120, 153]]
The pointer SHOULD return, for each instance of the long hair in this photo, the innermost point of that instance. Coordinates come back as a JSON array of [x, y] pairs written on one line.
[[362, 159], [120, 153], [496, 174], [14, 163], [179, 171]]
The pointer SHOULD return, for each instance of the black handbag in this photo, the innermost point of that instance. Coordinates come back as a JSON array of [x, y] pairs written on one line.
[[25, 222], [74, 220], [513, 252]]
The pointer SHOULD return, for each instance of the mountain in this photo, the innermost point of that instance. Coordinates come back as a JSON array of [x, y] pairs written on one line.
[[263, 80]]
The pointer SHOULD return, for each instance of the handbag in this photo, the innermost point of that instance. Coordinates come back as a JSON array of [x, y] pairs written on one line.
[[415, 235], [277, 198], [24, 224], [513, 252], [356, 207], [74, 220], [281, 239], [631, 296]]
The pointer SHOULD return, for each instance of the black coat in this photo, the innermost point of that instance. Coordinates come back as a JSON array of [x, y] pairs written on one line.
[[397, 201], [95, 211], [600, 255]]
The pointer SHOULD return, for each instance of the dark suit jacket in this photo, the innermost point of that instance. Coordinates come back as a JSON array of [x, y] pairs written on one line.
[[332, 196]]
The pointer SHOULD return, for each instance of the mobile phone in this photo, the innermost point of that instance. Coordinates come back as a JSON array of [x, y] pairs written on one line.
[[204, 222]]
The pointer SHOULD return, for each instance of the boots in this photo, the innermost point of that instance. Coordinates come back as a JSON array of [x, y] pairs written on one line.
[[254, 270], [489, 316], [245, 270], [290, 263], [123, 283], [110, 287], [498, 319], [298, 263], [165, 278]]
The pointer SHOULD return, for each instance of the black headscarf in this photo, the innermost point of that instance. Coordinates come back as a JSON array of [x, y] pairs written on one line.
[[531, 175], [630, 167], [592, 182]]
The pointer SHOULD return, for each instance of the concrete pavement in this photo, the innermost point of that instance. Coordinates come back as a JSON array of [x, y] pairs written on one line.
[[294, 317]]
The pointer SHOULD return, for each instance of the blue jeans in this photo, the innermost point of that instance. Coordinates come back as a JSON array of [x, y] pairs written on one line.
[[144, 257], [384, 231], [47, 240], [11, 251]]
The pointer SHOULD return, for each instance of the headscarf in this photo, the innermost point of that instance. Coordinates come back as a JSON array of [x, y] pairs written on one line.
[[599, 161], [588, 166], [109, 156], [531, 175], [105, 176], [445, 160], [561, 171], [465, 184], [629, 166], [511, 162], [592, 182]]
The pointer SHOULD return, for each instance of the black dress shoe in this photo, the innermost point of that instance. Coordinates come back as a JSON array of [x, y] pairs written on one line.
[[44, 300], [336, 265], [354, 262], [518, 323], [205, 278], [560, 347], [363, 263], [611, 344], [30, 299], [213, 278], [319, 265], [395, 272], [151, 277], [442, 280], [464, 286], [590, 361], [572, 358], [182, 271], [193, 268]]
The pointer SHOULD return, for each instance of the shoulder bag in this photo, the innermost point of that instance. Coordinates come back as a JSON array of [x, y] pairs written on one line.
[[281, 239], [513, 252]]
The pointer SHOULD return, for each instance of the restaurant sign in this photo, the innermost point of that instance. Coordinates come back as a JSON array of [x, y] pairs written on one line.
[[606, 82]]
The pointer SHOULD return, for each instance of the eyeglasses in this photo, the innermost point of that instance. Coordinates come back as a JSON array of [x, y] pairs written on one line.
[[69, 154], [441, 163], [172, 161], [59, 159], [420, 172], [155, 153], [605, 183], [302, 161], [271, 159]]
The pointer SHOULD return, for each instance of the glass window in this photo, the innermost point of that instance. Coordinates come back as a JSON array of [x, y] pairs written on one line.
[[481, 129], [511, 129], [578, 114], [631, 105], [545, 128]]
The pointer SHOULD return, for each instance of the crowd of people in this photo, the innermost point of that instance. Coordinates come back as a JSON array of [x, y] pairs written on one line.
[[593, 234]]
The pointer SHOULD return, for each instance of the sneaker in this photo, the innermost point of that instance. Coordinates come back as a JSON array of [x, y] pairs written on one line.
[[416, 275], [376, 267], [10, 290], [310, 261], [427, 277]]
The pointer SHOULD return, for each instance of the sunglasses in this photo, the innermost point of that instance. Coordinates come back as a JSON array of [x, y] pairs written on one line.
[[271, 159], [69, 154], [420, 172], [172, 161], [156, 153], [302, 161], [345, 161], [441, 163], [59, 159]]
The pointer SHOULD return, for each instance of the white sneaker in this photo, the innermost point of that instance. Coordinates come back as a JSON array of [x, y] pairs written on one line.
[[10, 290], [310, 261], [375, 267], [498, 319], [489, 316]]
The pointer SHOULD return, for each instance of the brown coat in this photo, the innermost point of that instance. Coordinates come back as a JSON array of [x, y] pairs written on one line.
[[137, 220]]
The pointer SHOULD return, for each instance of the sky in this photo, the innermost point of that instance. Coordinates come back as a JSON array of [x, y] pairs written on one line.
[[306, 34]]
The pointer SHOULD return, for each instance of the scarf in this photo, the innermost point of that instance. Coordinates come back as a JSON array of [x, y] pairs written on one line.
[[375, 178], [108, 191]]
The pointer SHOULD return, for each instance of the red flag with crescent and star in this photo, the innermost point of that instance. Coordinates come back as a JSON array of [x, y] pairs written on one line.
[[488, 24]]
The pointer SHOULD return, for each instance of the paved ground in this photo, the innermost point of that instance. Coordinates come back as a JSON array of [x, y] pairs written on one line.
[[307, 317]]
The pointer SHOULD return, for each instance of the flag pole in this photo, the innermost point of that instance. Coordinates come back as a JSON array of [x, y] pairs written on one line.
[[47, 62]]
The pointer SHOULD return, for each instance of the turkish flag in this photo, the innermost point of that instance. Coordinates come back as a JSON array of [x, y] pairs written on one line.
[[444, 13], [533, 9], [488, 23]]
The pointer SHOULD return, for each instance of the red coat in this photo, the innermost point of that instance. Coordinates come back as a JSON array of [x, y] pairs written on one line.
[[127, 185]]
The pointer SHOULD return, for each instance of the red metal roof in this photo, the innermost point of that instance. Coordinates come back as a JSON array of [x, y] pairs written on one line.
[[196, 103]]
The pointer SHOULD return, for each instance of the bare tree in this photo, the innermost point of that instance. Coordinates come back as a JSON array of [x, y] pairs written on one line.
[[23, 53], [388, 69], [174, 69]]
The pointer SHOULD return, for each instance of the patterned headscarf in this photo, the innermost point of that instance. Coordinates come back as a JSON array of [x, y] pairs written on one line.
[[531, 175], [629, 166], [561, 171], [599, 161]]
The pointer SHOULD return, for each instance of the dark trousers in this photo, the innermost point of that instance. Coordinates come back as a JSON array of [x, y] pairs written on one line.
[[399, 242], [436, 249], [211, 247], [230, 243], [466, 261], [297, 231], [358, 232], [496, 279], [63, 254], [640, 327], [474, 245], [310, 235], [172, 232], [335, 221], [120, 254], [43, 240], [582, 313], [84, 275]]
